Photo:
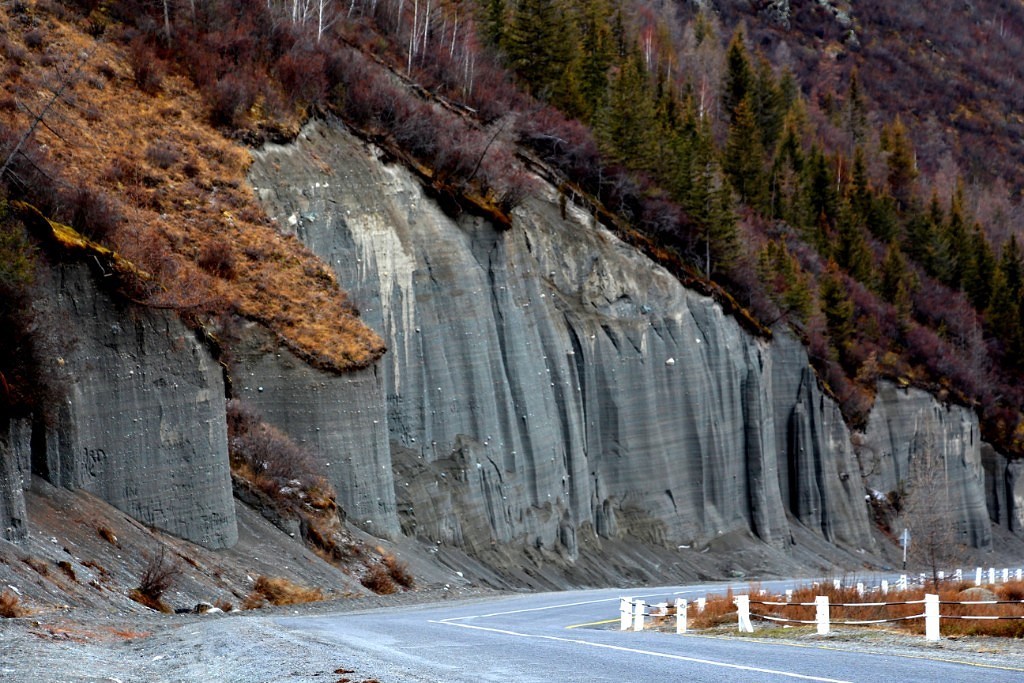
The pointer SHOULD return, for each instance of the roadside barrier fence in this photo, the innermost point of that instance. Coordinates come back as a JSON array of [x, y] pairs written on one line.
[[632, 613]]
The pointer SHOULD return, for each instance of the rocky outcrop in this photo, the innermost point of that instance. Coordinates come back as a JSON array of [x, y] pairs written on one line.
[[818, 471], [144, 428], [910, 432], [548, 377], [1004, 489], [338, 418], [13, 518]]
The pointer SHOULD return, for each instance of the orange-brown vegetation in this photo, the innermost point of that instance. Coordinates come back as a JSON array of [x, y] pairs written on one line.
[[11, 607], [1009, 597], [142, 171], [378, 579], [279, 591]]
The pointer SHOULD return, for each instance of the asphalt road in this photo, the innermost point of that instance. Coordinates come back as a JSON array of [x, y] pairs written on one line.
[[555, 637]]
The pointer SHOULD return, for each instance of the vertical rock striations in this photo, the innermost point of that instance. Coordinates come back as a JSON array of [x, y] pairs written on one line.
[[144, 428], [549, 378], [908, 426], [338, 418]]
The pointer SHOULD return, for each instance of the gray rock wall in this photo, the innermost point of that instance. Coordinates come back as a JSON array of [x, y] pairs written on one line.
[[13, 518], [908, 426], [818, 471], [548, 376], [338, 418], [144, 428]]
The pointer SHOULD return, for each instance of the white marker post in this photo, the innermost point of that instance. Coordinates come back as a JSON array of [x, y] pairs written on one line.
[[977, 576], [743, 610], [638, 615], [625, 613], [931, 617], [905, 542], [821, 614], [681, 608]]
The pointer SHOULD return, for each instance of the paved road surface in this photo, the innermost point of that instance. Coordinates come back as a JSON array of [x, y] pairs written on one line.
[[546, 637]]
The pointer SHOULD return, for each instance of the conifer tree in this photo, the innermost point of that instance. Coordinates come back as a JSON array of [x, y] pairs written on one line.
[[739, 75], [980, 270], [837, 308], [901, 163], [744, 158], [856, 119], [956, 247], [627, 127], [768, 103], [538, 44]]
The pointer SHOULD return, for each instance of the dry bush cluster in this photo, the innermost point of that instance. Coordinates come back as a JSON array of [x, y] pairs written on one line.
[[11, 607], [270, 460], [387, 576], [160, 573], [1010, 594], [279, 591]]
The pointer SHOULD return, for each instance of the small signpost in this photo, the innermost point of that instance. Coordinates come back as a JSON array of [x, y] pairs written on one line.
[[905, 543]]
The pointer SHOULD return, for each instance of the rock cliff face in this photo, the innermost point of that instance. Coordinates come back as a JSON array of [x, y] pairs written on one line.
[[548, 378], [909, 427], [144, 427]]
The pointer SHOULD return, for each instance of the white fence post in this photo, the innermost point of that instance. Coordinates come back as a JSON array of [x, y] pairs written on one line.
[[821, 614], [837, 583], [942, 576], [743, 610], [1006, 574], [681, 615], [977, 576], [1018, 574], [638, 615], [625, 613], [931, 617], [860, 589], [903, 582], [958, 575], [789, 594], [701, 602], [885, 587], [992, 575]]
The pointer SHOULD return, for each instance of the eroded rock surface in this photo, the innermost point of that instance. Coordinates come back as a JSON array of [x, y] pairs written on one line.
[[548, 376], [144, 428]]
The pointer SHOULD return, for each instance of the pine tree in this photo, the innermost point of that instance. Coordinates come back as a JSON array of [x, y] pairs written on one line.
[[597, 54], [744, 158], [980, 271], [901, 161], [855, 111], [627, 127], [956, 246], [709, 202], [539, 44], [837, 308], [739, 75], [768, 103]]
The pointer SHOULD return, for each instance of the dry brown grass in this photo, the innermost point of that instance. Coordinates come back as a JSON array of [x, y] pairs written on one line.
[[280, 591], [186, 193], [399, 571], [107, 535], [951, 624], [379, 580], [11, 607]]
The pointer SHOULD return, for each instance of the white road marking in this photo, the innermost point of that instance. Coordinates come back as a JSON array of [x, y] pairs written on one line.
[[681, 658], [531, 609]]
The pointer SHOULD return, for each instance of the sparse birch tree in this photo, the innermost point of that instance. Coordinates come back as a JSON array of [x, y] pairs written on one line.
[[929, 511]]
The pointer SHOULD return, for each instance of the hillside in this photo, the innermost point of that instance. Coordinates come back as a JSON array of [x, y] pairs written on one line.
[[533, 291]]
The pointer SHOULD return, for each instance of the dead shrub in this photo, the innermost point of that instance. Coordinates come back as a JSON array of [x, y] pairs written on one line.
[[280, 591], [38, 566], [93, 213], [33, 39], [223, 605], [148, 70], [378, 579], [273, 462], [160, 573], [107, 535], [11, 607], [163, 154], [68, 570], [399, 571], [218, 258]]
